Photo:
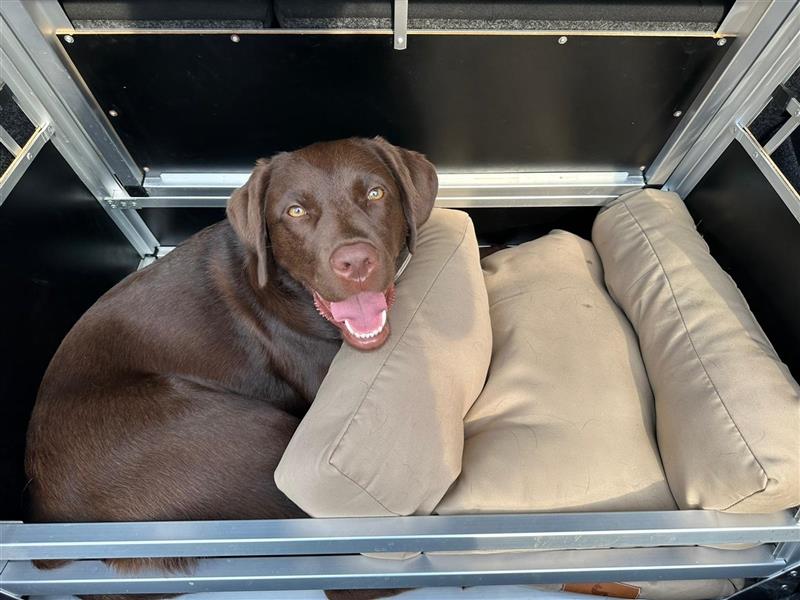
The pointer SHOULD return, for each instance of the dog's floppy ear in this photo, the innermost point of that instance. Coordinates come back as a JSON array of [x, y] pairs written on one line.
[[246, 212], [418, 183]]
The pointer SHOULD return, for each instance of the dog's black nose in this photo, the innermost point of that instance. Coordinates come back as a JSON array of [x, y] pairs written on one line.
[[354, 262]]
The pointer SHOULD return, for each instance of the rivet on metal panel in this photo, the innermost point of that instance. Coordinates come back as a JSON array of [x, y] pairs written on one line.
[[146, 169], [784, 587], [792, 573], [722, 41], [235, 38], [643, 167], [69, 39], [677, 113], [113, 113], [562, 40]]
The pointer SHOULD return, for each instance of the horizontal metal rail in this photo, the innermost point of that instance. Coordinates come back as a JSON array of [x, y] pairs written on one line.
[[354, 571], [76, 33], [456, 190], [392, 534]]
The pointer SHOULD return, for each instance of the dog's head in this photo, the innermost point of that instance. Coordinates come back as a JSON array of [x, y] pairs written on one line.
[[336, 216]]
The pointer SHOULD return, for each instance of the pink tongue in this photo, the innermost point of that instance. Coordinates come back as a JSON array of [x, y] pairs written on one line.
[[362, 311]]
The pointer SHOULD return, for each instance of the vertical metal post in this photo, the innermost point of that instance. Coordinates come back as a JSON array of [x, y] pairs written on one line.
[[400, 24]]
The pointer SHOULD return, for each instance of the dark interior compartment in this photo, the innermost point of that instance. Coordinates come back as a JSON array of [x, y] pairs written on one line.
[[61, 252], [509, 14], [451, 97], [757, 241]]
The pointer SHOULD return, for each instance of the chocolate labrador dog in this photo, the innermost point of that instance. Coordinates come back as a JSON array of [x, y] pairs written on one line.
[[175, 395]]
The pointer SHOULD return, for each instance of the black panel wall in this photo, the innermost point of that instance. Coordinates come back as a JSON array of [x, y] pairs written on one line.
[[59, 252], [191, 102], [757, 240]]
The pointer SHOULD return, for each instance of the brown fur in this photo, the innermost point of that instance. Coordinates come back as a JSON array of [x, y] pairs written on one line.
[[174, 396]]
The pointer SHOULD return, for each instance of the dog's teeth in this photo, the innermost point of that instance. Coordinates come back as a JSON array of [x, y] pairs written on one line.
[[369, 335]]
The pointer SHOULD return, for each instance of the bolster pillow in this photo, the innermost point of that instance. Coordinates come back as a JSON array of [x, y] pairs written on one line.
[[727, 408], [385, 433]]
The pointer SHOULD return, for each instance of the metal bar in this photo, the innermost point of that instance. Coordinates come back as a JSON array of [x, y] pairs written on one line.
[[34, 22], [354, 571], [456, 190], [754, 33], [395, 534], [773, 66], [21, 163], [77, 33], [9, 142], [741, 17], [400, 24], [793, 108], [43, 104], [483, 201], [789, 195]]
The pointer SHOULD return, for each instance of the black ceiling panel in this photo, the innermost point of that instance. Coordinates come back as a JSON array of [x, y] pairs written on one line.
[[471, 102]]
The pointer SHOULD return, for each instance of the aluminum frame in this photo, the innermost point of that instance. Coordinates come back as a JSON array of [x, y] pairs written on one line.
[[456, 190], [355, 571], [23, 159], [49, 93], [764, 162], [754, 23], [793, 108], [320, 553], [779, 59], [569, 531]]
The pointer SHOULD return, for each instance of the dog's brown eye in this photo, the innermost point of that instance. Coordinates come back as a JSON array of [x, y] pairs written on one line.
[[376, 193], [296, 211]]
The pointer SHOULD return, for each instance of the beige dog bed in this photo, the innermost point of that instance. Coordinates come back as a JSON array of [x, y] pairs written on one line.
[[620, 375]]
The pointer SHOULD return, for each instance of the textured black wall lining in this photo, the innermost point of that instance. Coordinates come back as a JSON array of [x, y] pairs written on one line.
[[12, 118], [685, 15], [509, 14], [757, 241], [60, 252], [774, 114], [169, 10]]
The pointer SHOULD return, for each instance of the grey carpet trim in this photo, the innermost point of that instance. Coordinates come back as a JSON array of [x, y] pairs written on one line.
[[493, 25], [174, 24]]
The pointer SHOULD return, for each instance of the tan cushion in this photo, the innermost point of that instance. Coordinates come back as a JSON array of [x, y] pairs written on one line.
[[565, 421], [385, 435], [728, 409]]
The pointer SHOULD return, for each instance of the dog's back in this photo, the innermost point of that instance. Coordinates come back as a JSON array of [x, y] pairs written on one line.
[[160, 403]]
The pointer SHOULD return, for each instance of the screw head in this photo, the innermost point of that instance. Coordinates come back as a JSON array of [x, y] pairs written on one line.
[[235, 38], [146, 169], [792, 573], [677, 113], [69, 39], [113, 113], [562, 40], [400, 39], [784, 587], [722, 41], [642, 168]]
